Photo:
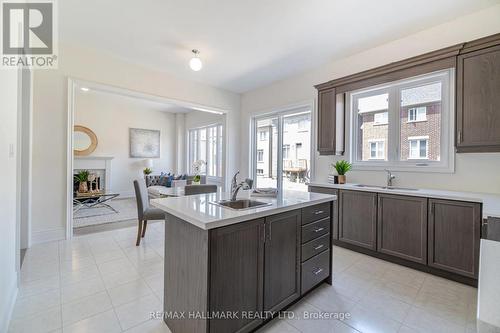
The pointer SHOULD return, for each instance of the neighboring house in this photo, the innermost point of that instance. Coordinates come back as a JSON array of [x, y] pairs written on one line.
[[296, 144]]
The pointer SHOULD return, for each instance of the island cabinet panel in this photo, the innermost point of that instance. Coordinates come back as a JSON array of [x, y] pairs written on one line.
[[478, 100], [326, 121], [236, 275], [454, 236], [335, 208], [402, 227], [282, 260], [358, 218]]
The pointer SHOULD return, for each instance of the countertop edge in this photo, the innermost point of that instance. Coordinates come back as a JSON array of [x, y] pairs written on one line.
[[265, 211], [489, 201]]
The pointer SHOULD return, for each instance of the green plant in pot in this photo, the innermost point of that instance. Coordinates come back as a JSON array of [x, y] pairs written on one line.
[[342, 167], [147, 171], [82, 178]]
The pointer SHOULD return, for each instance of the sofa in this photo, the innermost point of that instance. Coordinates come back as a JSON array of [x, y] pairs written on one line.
[[153, 183]]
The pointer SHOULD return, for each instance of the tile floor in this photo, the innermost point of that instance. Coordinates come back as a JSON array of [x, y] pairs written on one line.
[[102, 282]]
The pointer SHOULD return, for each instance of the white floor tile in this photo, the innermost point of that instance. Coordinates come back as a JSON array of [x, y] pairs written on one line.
[[150, 326], [138, 311], [129, 292], [42, 322], [75, 291], [37, 303], [105, 322], [85, 307]]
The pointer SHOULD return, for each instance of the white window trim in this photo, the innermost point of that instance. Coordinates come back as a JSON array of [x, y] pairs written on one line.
[[378, 123], [377, 141], [310, 105], [447, 132], [211, 179], [416, 115], [418, 139]]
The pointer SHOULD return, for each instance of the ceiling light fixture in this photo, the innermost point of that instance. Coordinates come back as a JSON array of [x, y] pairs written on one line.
[[84, 89], [195, 62]]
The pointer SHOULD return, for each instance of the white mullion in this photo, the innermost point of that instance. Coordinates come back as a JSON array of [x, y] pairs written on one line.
[[279, 171]]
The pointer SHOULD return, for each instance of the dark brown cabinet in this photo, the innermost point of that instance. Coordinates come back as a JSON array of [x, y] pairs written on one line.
[[402, 227], [358, 218], [282, 260], [335, 208], [454, 236], [237, 274], [326, 121], [478, 97]]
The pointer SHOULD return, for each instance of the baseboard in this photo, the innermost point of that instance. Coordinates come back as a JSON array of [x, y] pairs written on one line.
[[8, 307], [48, 236]]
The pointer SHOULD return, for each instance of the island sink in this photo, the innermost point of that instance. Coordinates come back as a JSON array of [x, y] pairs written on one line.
[[241, 204]]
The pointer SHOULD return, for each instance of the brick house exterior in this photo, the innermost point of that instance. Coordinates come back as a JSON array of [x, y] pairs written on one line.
[[428, 129]]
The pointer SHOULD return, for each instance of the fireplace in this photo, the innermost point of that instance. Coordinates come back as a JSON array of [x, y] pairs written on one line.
[[98, 166]]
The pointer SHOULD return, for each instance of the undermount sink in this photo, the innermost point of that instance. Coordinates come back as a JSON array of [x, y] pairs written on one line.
[[241, 204], [388, 187]]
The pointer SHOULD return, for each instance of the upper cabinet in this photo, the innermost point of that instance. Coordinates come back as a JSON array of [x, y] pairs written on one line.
[[478, 96], [326, 121]]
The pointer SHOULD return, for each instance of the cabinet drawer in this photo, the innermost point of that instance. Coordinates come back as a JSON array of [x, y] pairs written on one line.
[[316, 229], [315, 213], [315, 270], [318, 245]]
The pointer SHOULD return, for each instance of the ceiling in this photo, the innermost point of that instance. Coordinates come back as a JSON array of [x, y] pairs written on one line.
[[247, 44]]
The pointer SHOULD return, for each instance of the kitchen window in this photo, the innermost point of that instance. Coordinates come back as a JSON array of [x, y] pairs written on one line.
[[260, 155], [418, 148], [417, 114], [381, 118], [404, 125], [377, 150], [205, 143]]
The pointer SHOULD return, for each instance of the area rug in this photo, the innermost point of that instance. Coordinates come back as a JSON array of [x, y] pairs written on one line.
[[127, 210]]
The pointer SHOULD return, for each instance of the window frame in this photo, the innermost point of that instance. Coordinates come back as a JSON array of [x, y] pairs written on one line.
[[416, 109], [259, 152], [447, 162], [378, 123], [418, 139], [377, 142], [194, 150]]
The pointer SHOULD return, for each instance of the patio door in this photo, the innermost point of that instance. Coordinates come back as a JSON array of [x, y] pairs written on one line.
[[282, 150]]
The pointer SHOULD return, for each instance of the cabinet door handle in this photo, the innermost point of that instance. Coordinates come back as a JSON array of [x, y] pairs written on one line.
[[319, 247], [319, 229], [318, 271], [319, 212]]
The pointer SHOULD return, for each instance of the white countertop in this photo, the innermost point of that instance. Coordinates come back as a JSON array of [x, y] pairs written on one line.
[[491, 202], [200, 211]]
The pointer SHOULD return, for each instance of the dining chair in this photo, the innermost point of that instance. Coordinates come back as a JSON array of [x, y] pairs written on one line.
[[144, 212], [199, 189]]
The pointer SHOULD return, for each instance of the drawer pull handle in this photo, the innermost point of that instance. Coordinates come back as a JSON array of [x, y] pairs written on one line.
[[318, 212], [319, 229], [318, 271], [319, 247]]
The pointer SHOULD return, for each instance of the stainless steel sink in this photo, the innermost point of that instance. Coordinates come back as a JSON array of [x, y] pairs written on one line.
[[241, 204], [387, 187]]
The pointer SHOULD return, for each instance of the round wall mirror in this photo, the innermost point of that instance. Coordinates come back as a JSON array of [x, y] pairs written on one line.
[[84, 141]]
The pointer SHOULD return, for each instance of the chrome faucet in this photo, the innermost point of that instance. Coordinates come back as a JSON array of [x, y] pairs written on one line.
[[390, 177], [235, 187]]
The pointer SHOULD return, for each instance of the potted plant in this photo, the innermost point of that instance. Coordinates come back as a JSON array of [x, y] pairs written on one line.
[[342, 167], [147, 171], [82, 178], [197, 165]]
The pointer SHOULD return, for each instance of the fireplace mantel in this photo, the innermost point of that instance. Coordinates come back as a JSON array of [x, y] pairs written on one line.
[[95, 163]]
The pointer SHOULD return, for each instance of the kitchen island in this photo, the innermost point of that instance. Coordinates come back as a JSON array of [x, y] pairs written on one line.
[[231, 270]]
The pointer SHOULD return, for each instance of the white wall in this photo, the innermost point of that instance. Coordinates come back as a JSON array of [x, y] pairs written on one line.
[[199, 119], [474, 172], [50, 122], [110, 116], [8, 142]]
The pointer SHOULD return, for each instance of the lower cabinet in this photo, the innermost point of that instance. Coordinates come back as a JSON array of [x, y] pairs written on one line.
[[335, 208], [402, 227], [358, 218], [236, 274], [282, 260], [454, 236]]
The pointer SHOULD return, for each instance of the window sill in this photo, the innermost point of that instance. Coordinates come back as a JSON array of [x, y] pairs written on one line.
[[416, 121]]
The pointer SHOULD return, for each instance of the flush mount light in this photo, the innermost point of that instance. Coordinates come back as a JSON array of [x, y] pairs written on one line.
[[84, 89], [195, 62]]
